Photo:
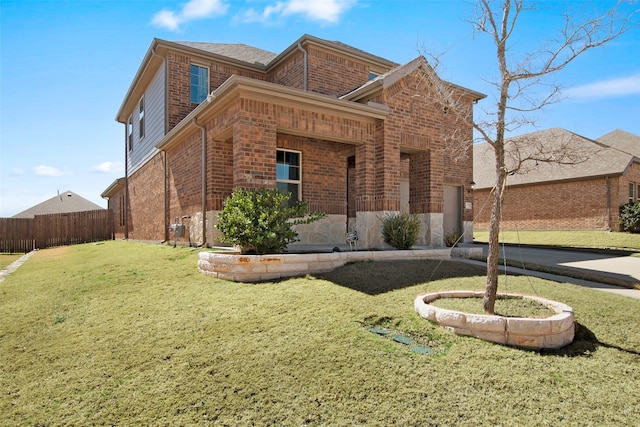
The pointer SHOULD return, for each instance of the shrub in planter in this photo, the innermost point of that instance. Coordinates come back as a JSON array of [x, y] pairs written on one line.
[[400, 230], [630, 217], [452, 239], [259, 221]]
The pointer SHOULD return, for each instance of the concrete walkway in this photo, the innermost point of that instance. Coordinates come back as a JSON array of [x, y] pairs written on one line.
[[14, 265]]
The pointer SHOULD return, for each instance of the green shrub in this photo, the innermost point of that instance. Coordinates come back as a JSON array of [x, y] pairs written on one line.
[[452, 239], [260, 220], [400, 230], [630, 217]]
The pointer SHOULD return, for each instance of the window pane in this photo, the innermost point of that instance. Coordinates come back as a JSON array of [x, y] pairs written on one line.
[[631, 191], [289, 188], [199, 83]]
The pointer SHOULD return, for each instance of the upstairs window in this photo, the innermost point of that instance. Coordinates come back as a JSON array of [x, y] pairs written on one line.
[[288, 174], [373, 74], [130, 133], [199, 83], [141, 118]]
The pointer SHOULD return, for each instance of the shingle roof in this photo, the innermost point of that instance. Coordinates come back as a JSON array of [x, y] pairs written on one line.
[[63, 203], [598, 159], [392, 76], [238, 51], [623, 141]]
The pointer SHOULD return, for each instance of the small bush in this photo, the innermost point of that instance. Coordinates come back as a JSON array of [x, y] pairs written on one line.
[[630, 217], [259, 221], [400, 230], [452, 239]]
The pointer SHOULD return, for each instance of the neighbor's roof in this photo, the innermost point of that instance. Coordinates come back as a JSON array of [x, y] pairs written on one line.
[[598, 159], [623, 141], [62, 203]]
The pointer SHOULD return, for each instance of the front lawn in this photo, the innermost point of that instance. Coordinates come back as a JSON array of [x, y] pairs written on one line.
[[126, 333]]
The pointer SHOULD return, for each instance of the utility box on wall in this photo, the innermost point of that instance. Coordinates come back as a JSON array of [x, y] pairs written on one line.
[[178, 229]]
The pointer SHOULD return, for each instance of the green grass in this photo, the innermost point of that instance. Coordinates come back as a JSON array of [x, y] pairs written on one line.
[[132, 334], [578, 239], [507, 307], [6, 259]]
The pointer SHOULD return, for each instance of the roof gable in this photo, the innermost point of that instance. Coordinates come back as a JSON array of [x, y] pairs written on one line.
[[392, 76]]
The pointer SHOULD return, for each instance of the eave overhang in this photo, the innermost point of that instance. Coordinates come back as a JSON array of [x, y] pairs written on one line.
[[115, 186]]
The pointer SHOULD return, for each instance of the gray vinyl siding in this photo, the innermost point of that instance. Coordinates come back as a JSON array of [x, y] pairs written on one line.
[[154, 117]]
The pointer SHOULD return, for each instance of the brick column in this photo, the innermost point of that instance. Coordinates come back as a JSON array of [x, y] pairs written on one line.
[[254, 146]]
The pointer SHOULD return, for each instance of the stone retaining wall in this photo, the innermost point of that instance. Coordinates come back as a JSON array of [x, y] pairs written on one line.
[[551, 332], [255, 268]]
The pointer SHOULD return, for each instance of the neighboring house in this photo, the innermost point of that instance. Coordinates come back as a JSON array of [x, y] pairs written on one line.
[[354, 135], [586, 195], [62, 203]]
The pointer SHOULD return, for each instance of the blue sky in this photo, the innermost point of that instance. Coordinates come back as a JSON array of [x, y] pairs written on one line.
[[66, 66]]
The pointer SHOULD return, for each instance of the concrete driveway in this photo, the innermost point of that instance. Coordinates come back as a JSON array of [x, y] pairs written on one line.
[[595, 270]]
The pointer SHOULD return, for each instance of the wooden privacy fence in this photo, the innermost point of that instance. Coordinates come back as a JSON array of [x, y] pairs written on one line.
[[45, 231]]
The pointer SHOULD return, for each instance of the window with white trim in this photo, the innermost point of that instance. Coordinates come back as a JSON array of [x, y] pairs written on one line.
[[141, 118], [289, 174], [130, 133], [199, 83], [632, 192]]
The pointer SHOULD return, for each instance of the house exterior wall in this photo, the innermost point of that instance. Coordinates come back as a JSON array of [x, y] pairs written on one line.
[[573, 205], [632, 175], [117, 205], [352, 158], [179, 103], [154, 121], [146, 202], [330, 73], [587, 204], [290, 72]]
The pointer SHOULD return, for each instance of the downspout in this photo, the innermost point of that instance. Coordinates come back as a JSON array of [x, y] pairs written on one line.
[[126, 180], [608, 203], [165, 201], [305, 72], [203, 131]]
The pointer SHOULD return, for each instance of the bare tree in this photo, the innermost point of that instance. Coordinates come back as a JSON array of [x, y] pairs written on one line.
[[523, 87]]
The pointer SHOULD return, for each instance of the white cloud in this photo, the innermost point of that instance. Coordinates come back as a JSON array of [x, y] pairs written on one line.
[[50, 171], [607, 88], [17, 171], [326, 11], [108, 167], [191, 11]]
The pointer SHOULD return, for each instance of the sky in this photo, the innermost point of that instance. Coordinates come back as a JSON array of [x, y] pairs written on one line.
[[65, 67]]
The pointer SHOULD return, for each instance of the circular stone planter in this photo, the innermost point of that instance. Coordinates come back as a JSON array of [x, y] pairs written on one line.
[[551, 332]]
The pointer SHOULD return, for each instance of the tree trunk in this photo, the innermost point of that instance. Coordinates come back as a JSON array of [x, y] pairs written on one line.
[[491, 288]]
